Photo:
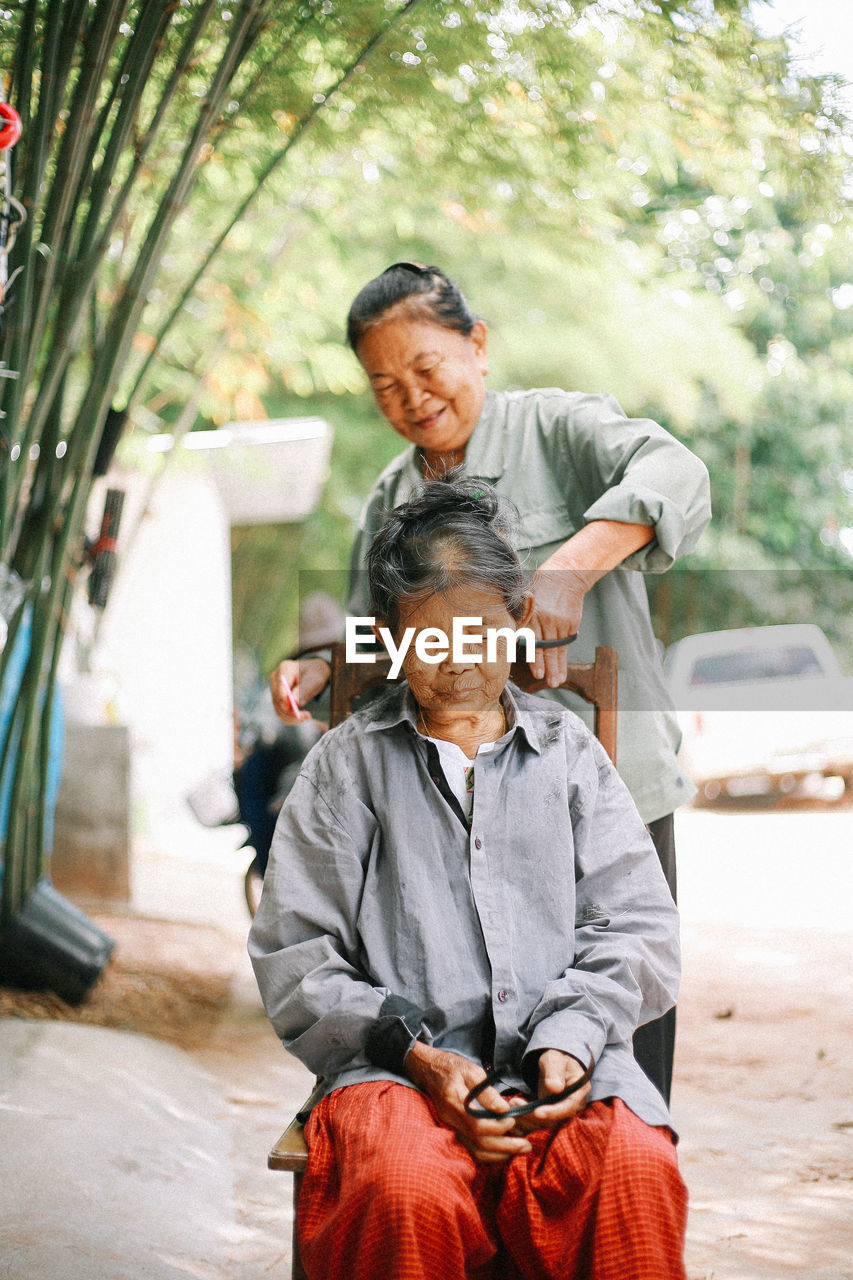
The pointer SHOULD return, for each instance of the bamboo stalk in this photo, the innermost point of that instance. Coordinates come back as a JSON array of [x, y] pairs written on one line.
[[101, 35], [12, 866], [133, 70], [102, 32], [16, 867], [21, 334], [20, 78], [109, 358], [24, 334], [49, 594], [143, 144], [129, 305], [130, 80], [54, 643], [90, 266]]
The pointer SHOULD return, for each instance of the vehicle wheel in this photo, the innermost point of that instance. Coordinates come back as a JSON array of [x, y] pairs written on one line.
[[712, 790]]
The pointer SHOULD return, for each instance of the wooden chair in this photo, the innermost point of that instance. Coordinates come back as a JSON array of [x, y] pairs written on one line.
[[596, 682]]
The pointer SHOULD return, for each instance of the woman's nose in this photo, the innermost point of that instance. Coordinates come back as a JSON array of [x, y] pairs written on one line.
[[413, 394], [465, 658]]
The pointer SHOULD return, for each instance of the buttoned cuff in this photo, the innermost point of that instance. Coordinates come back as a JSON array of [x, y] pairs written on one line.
[[392, 1035], [530, 1067], [567, 1031]]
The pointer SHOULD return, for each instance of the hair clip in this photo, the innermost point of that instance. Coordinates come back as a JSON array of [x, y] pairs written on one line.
[[416, 268]]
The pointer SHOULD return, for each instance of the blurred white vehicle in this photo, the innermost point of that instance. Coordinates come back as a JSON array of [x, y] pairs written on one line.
[[763, 710]]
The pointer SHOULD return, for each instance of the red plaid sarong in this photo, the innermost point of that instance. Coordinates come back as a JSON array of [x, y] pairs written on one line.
[[391, 1195]]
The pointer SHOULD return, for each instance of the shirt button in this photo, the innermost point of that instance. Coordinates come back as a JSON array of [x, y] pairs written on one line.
[[478, 844], [503, 996]]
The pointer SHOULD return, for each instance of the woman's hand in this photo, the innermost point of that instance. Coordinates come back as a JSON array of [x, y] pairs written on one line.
[[562, 581], [304, 680], [446, 1079], [557, 1070], [558, 596]]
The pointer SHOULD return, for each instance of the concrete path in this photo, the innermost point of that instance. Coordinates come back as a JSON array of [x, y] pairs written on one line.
[[114, 1161]]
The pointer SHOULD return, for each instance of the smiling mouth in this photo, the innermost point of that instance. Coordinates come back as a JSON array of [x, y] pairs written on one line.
[[422, 424]]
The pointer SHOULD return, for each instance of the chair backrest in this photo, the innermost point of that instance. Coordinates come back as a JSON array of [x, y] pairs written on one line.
[[596, 682]]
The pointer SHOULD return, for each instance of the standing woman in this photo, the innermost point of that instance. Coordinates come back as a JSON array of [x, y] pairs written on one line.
[[599, 496]]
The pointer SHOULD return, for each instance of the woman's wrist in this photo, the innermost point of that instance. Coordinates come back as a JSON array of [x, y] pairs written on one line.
[[419, 1063]]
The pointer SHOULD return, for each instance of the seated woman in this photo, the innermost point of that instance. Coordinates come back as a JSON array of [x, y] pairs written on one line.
[[461, 890]]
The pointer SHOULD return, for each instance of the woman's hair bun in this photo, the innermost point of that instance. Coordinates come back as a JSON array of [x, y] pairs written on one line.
[[456, 532]]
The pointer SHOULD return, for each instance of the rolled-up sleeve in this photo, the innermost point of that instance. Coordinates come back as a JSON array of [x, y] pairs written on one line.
[[635, 472], [626, 962]]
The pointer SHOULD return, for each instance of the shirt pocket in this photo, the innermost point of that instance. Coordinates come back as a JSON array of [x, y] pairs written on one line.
[[541, 528]]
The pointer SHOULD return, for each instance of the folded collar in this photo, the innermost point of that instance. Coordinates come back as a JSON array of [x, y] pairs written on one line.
[[398, 706], [486, 448]]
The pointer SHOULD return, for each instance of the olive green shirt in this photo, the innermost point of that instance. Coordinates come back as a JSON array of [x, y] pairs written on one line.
[[565, 459]]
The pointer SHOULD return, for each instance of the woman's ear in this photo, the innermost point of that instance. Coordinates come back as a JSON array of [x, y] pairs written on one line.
[[527, 613], [390, 636], [479, 337]]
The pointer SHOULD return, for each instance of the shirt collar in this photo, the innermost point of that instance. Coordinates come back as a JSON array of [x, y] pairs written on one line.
[[485, 451], [397, 706]]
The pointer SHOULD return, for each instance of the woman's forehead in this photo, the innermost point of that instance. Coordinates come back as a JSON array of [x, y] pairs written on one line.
[[463, 600], [405, 340]]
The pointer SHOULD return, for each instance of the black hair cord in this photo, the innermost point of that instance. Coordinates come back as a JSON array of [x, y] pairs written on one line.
[[525, 1108]]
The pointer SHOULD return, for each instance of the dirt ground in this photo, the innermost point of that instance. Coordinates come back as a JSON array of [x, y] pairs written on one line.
[[763, 1097]]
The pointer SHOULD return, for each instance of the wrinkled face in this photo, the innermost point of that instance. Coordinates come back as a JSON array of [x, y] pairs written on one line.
[[428, 381], [464, 687]]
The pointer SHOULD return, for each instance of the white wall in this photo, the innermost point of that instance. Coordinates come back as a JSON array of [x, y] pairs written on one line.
[[162, 664]]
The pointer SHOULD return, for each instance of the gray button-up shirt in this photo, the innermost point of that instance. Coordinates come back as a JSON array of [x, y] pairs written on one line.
[[548, 925], [565, 459]]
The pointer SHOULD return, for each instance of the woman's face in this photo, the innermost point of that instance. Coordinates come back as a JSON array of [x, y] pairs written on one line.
[[428, 381], [463, 688]]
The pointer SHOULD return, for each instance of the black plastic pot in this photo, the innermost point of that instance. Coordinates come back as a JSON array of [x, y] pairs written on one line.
[[51, 945]]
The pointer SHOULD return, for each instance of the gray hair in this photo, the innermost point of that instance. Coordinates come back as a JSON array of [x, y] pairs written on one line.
[[457, 532]]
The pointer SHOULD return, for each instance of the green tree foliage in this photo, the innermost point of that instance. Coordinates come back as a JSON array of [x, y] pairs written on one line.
[[205, 185], [640, 201]]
